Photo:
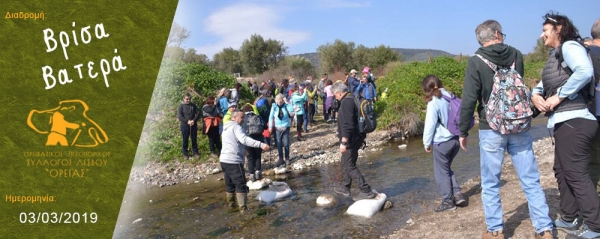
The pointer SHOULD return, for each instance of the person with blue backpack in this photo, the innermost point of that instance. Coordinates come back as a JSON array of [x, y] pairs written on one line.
[[493, 82], [445, 143], [366, 89]]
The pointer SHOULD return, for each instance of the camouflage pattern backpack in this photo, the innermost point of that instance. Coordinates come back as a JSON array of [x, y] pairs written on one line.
[[508, 109]]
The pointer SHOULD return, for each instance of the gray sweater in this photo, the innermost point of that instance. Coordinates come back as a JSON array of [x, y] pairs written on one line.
[[234, 140]]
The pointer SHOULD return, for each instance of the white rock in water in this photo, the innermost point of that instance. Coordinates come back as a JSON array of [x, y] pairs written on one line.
[[326, 200], [137, 220], [367, 207], [402, 146], [276, 191], [280, 170], [257, 185]]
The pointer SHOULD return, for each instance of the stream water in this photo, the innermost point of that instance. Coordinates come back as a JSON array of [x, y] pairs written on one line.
[[198, 210]]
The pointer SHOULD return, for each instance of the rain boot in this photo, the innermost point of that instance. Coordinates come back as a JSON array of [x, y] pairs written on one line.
[[241, 199], [230, 199]]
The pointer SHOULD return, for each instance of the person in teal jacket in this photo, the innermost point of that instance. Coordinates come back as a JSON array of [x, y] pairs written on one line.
[[298, 99], [280, 122]]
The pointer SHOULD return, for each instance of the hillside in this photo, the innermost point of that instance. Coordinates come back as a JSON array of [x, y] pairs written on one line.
[[407, 55]]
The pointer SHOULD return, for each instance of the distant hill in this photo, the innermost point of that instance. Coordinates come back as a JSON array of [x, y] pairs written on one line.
[[407, 55]]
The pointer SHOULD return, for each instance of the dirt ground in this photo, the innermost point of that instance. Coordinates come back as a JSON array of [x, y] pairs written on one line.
[[468, 222]]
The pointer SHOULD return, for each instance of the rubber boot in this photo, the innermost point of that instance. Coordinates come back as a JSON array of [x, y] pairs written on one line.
[[230, 199], [241, 199]]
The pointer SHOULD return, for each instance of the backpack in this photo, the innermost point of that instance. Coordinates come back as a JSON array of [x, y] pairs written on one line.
[[263, 109], [590, 94], [367, 91], [367, 120], [454, 115], [508, 109], [253, 124]]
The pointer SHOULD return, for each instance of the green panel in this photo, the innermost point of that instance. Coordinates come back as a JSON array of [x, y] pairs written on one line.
[[52, 146]]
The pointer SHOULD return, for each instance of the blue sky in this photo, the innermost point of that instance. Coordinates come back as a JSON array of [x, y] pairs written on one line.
[[303, 25]]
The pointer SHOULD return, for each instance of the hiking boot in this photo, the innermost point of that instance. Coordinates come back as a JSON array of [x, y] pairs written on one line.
[[583, 233], [445, 205], [459, 200], [252, 179], [196, 156], [342, 190], [565, 226], [492, 235], [186, 157], [214, 155], [544, 235], [279, 163], [362, 196], [258, 175]]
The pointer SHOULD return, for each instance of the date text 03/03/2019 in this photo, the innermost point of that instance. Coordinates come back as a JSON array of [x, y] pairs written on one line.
[[57, 217]]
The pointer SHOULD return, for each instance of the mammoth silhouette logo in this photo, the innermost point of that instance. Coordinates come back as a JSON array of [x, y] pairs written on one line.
[[64, 125]]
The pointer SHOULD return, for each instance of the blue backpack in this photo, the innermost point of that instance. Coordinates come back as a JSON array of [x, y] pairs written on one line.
[[454, 115]]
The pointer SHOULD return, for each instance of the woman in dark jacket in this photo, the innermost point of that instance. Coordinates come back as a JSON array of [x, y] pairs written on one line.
[[562, 94], [212, 119]]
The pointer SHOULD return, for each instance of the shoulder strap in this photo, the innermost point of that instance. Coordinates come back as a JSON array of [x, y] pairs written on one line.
[[559, 55], [494, 66]]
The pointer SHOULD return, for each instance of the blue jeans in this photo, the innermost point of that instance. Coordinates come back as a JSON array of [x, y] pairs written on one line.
[[492, 146], [283, 142]]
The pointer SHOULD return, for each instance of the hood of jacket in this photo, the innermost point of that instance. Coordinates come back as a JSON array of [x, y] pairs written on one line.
[[499, 54]]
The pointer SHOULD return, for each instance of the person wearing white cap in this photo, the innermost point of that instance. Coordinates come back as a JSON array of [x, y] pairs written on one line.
[[352, 81]]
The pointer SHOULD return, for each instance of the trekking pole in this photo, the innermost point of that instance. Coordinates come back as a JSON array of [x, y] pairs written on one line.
[[190, 143]]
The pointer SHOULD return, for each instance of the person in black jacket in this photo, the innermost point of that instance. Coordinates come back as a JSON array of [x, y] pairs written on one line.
[[477, 89], [188, 114], [350, 142]]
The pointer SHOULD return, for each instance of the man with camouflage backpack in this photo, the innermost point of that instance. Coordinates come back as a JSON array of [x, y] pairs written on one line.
[[493, 82]]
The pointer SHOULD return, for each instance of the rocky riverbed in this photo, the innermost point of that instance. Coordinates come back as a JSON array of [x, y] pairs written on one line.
[[319, 147], [469, 222]]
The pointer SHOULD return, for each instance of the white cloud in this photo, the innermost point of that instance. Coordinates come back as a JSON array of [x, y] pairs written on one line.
[[236, 23], [343, 4]]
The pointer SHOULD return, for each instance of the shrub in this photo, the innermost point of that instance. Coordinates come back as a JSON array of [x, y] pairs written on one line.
[[161, 138], [405, 97]]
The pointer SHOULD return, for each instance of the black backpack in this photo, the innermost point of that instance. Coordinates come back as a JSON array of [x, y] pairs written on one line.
[[367, 120], [253, 124], [588, 91]]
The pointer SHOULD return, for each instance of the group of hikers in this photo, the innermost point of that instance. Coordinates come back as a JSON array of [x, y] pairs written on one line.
[[493, 87]]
